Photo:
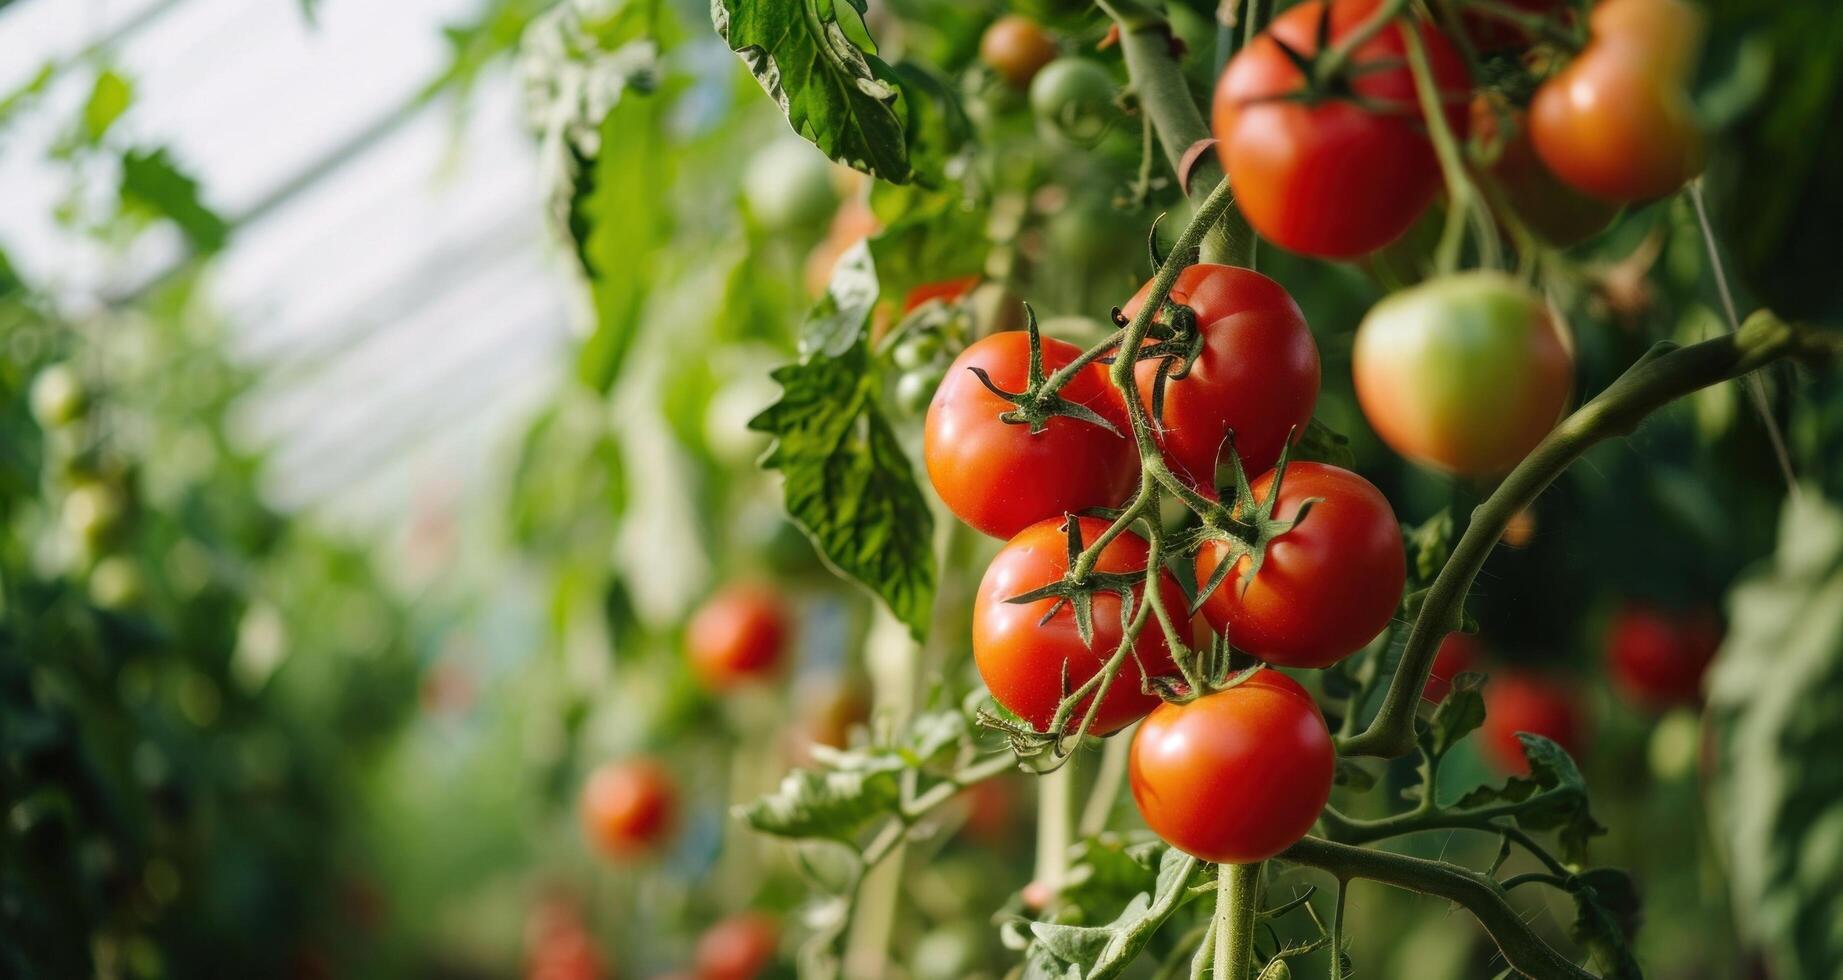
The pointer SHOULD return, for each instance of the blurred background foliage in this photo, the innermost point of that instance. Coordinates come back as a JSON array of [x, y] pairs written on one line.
[[234, 741]]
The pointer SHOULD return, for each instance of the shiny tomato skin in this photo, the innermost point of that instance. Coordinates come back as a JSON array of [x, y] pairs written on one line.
[[628, 807], [1016, 48], [1458, 653], [1328, 586], [1021, 657], [1329, 178], [1237, 775], [1258, 373], [1517, 701], [1466, 373], [738, 636], [737, 948], [1000, 477], [1617, 123], [1657, 659]]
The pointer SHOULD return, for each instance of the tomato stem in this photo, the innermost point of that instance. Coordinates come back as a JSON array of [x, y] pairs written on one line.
[[1332, 62], [1462, 199], [1237, 895], [1662, 376]]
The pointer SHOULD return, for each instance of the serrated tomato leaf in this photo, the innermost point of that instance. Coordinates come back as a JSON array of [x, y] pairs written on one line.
[[1553, 797], [825, 76], [154, 184], [1101, 952], [847, 483]]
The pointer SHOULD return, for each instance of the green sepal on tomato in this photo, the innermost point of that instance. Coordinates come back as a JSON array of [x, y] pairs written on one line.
[[999, 476], [1237, 775], [1466, 373], [1328, 585], [1339, 168], [1024, 649], [1256, 373]]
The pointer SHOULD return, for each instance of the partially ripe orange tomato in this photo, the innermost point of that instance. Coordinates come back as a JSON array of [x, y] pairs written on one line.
[[1617, 123], [1465, 373], [628, 807], [1016, 48]]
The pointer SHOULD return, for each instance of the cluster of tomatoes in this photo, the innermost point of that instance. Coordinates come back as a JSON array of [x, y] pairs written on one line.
[[1327, 587]]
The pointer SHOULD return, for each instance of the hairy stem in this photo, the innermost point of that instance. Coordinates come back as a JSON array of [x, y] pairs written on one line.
[[1054, 790], [1236, 901], [1107, 782], [1481, 895], [1660, 377]]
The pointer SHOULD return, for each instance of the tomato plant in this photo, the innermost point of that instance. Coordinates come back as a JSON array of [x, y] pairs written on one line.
[[1237, 775], [1328, 585], [1465, 374], [1339, 169], [1001, 477], [1256, 375], [738, 636], [1026, 650], [1458, 653]]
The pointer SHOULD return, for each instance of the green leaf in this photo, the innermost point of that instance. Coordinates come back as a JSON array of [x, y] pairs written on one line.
[[1101, 952], [927, 236], [834, 804], [24, 96], [1776, 692], [1458, 715], [153, 183], [830, 84], [623, 217], [1606, 909], [840, 319], [847, 483], [1429, 543], [937, 126], [109, 98], [1553, 797]]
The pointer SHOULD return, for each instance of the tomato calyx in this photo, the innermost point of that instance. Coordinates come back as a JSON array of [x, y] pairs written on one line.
[[1327, 73], [1039, 401], [1078, 593], [1215, 673], [1247, 528]]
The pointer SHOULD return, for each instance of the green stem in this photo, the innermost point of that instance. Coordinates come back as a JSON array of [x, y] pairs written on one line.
[[1333, 61], [1662, 376], [1164, 94], [1337, 930], [1107, 782], [1481, 895], [1462, 201], [1236, 900], [1054, 790]]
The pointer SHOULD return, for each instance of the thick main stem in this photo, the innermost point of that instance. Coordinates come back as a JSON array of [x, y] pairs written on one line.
[[1237, 886], [1662, 376], [1522, 948], [1164, 95], [1054, 792]]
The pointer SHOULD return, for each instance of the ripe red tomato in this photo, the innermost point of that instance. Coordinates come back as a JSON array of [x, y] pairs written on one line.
[[1457, 654], [1523, 702], [999, 476], [1557, 213], [628, 807], [1325, 176], [1657, 658], [1257, 374], [1015, 48], [1617, 123], [947, 290], [737, 948], [1237, 775], [1466, 373], [737, 636], [1329, 585], [1021, 656]]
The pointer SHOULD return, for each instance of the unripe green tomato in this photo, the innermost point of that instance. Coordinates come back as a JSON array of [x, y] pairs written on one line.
[[116, 583], [919, 349], [915, 389], [1074, 97], [57, 397], [92, 512], [1465, 373], [1091, 234], [788, 184]]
